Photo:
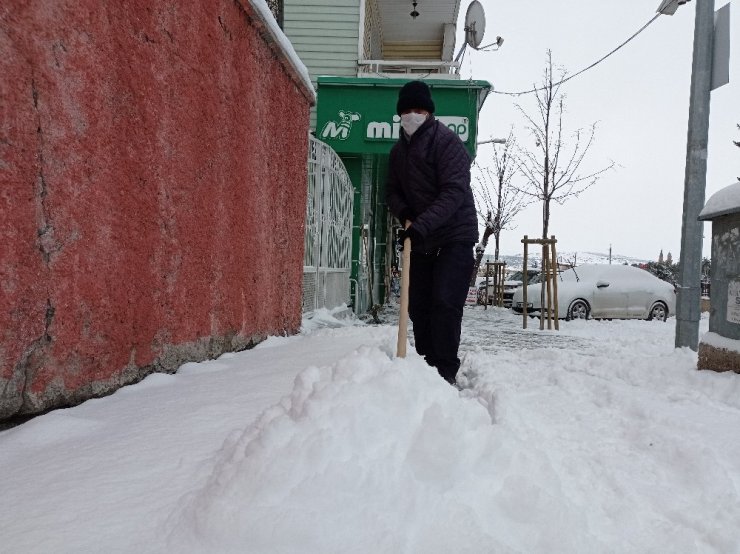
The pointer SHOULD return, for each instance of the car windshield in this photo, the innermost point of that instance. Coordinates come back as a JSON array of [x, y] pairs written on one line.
[[581, 273], [534, 277]]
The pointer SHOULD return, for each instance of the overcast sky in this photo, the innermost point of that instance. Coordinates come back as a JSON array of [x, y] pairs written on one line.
[[640, 98]]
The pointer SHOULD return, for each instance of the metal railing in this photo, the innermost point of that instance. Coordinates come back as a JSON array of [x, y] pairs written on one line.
[[328, 238], [440, 69]]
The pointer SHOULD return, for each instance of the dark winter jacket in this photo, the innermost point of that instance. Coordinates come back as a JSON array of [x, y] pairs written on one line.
[[429, 182]]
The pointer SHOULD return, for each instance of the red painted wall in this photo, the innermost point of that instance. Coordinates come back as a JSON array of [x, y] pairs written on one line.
[[153, 192]]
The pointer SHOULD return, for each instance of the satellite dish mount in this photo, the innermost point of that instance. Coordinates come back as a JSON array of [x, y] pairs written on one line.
[[475, 28], [475, 24]]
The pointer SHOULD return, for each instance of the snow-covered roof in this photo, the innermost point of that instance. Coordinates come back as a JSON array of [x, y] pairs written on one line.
[[722, 202]]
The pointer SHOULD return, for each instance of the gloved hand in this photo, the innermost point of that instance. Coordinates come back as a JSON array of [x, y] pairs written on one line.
[[410, 233], [406, 215]]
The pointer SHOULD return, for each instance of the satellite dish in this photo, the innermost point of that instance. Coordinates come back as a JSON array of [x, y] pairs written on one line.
[[475, 24]]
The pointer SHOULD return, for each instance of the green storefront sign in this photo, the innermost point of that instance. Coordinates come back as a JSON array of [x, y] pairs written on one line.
[[357, 118], [358, 115]]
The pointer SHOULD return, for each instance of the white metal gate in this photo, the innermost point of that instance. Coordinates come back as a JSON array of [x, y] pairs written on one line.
[[328, 238]]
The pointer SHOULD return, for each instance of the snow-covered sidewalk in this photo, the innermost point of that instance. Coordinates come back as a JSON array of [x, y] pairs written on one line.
[[599, 438]]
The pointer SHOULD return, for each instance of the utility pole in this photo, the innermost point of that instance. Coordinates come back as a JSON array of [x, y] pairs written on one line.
[[688, 310]]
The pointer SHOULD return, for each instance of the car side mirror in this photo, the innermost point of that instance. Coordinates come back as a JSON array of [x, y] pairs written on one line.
[[601, 284]]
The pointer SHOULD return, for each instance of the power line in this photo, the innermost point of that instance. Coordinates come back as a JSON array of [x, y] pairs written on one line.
[[597, 62]]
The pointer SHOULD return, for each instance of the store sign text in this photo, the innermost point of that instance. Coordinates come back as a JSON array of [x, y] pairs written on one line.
[[383, 130]]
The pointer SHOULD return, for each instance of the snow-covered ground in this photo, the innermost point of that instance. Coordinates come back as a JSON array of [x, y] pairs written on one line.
[[598, 438]]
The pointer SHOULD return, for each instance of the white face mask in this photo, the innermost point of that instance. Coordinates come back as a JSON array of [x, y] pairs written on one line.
[[412, 121]]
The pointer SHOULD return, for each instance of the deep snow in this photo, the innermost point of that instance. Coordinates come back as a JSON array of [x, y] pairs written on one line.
[[599, 438]]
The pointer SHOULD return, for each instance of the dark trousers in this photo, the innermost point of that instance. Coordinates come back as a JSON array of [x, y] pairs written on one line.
[[438, 287]]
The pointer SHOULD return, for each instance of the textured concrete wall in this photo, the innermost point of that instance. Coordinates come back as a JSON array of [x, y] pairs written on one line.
[[725, 272], [152, 196]]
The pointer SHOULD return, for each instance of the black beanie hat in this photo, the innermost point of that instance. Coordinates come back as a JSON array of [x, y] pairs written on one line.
[[414, 94]]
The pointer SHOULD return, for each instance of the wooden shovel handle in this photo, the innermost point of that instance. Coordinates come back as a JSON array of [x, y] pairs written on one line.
[[403, 316]]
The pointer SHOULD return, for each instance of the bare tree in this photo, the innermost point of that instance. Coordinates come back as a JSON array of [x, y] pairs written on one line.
[[480, 248], [497, 201], [552, 171]]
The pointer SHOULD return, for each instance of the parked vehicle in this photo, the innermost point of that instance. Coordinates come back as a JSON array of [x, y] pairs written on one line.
[[514, 280], [605, 291]]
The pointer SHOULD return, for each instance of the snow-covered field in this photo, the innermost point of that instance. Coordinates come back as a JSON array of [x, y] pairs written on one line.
[[598, 438], [514, 260]]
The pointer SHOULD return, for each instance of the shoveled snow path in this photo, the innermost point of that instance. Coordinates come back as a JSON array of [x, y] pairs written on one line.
[[121, 463], [601, 437]]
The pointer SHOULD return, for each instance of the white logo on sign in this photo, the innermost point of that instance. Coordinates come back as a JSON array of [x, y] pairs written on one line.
[[341, 129]]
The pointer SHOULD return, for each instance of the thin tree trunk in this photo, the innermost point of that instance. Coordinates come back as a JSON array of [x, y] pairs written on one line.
[[479, 255]]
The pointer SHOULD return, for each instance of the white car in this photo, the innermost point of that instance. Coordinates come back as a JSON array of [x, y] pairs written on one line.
[[605, 291], [515, 281], [510, 284]]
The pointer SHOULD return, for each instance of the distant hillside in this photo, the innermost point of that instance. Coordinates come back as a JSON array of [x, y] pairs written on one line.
[[579, 258]]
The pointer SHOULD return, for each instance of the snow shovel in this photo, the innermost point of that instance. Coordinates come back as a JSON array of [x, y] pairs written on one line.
[[403, 316]]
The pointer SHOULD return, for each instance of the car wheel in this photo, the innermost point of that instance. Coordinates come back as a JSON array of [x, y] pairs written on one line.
[[659, 312], [578, 310]]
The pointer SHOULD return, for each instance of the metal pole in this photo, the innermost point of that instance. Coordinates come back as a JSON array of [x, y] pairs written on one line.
[[688, 307]]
